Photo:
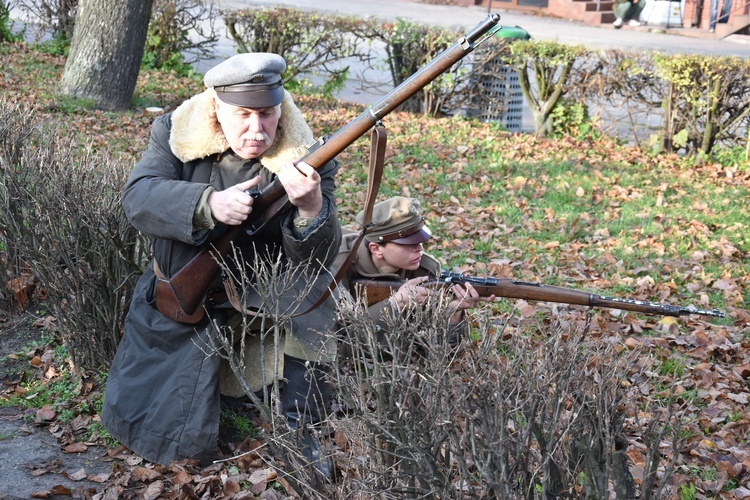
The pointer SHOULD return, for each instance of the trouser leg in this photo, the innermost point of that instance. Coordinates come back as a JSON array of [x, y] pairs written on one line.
[[713, 13], [305, 400]]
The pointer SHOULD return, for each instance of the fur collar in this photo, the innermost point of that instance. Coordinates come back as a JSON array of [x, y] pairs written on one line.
[[196, 133]]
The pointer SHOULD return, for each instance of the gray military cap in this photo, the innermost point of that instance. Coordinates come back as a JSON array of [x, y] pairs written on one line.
[[397, 220], [248, 80]]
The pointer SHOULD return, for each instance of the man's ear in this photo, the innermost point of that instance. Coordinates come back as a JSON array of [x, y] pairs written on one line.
[[375, 249]]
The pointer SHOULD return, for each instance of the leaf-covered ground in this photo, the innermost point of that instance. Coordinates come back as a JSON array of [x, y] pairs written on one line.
[[583, 213]]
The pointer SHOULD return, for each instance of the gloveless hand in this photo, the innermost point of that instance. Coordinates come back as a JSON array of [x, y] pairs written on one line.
[[233, 205], [302, 185]]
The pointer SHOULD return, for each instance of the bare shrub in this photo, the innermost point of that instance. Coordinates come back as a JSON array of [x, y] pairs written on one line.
[[631, 92], [284, 291], [311, 43], [178, 28], [532, 414], [56, 17], [60, 215], [409, 46], [484, 91]]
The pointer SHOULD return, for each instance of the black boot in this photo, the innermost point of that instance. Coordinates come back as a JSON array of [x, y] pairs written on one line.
[[304, 401]]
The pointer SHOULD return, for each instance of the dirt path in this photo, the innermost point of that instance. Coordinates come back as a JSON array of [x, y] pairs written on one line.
[[34, 465]]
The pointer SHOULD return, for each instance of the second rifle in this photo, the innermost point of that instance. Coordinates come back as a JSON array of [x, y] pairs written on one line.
[[375, 291]]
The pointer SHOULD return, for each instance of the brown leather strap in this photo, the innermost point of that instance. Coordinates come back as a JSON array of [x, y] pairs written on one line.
[[378, 139], [157, 271], [169, 304], [234, 298]]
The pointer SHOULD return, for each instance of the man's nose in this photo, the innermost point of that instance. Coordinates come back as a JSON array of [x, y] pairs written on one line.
[[253, 123]]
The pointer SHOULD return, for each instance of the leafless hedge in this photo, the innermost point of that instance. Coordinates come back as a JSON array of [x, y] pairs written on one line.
[[535, 414], [60, 217]]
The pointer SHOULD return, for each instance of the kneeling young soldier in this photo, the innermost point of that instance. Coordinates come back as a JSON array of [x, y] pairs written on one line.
[[393, 251]]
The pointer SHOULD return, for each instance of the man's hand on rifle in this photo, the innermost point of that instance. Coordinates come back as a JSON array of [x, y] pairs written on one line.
[[302, 185], [466, 298], [412, 291], [233, 205]]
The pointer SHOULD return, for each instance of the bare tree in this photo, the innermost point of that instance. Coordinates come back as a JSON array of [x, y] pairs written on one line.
[[105, 55]]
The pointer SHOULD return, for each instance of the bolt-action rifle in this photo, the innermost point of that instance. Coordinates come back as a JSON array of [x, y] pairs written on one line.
[[374, 291], [181, 297]]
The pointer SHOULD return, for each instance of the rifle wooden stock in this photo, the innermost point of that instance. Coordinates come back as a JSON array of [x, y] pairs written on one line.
[[374, 291], [181, 296]]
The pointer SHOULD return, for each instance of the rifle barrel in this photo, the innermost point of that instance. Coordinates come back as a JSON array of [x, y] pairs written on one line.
[[439, 65], [510, 288]]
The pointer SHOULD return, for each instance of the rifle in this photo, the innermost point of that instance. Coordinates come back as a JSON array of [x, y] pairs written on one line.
[[375, 291], [181, 296]]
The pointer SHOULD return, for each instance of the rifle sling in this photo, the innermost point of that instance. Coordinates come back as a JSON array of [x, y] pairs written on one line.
[[378, 139]]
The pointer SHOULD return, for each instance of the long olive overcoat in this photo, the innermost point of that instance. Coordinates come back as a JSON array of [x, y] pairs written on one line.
[[162, 397]]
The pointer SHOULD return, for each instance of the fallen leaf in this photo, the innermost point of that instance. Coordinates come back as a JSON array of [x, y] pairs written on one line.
[[46, 413], [100, 478], [153, 491], [75, 448], [145, 474], [78, 475], [738, 398]]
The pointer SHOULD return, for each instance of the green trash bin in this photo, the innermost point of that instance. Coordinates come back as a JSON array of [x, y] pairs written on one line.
[[514, 32], [502, 99]]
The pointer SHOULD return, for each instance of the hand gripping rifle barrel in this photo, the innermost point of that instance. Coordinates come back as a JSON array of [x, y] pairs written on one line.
[[181, 296]]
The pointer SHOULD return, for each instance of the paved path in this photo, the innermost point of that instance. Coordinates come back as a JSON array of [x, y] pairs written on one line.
[[540, 27], [461, 19]]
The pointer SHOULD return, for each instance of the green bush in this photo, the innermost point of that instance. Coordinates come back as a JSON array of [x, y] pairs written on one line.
[[6, 35], [547, 72], [572, 119], [707, 100]]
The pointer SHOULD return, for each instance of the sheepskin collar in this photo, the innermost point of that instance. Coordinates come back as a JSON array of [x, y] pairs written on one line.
[[196, 133]]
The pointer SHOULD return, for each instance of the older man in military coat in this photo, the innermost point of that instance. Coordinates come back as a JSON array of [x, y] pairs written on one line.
[[162, 399]]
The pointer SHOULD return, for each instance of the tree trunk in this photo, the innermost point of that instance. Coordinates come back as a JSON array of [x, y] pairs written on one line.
[[106, 51]]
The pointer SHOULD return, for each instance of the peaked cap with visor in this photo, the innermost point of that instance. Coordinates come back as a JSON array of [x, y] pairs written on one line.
[[398, 220], [250, 80]]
